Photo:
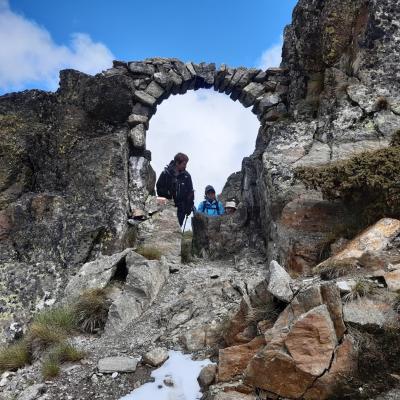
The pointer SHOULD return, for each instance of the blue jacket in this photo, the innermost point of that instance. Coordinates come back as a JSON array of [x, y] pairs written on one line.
[[212, 209]]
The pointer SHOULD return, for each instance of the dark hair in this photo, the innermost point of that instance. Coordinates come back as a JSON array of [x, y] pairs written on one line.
[[180, 158]]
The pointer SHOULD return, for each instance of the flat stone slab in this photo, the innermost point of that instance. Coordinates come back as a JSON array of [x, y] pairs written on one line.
[[367, 312], [108, 365]]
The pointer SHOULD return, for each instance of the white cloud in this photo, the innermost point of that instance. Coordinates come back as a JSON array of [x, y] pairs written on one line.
[[215, 132], [271, 57], [28, 54]]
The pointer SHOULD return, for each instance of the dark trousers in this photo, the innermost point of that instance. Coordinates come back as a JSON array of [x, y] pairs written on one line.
[[181, 214]]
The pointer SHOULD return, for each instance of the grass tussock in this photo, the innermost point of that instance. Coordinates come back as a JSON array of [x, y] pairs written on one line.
[[61, 318], [42, 336], [64, 352], [268, 311], [47, 334], [57, 355], [333, 269], [149, 252], [50, 367], [91, 310], [362, 288], [396, 303], [14, 356], [186, 247]]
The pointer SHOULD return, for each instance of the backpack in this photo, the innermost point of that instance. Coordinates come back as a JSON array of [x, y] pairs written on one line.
[[207, 206]]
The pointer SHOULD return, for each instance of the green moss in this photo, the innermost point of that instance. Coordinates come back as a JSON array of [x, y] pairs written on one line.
[[368, 183]]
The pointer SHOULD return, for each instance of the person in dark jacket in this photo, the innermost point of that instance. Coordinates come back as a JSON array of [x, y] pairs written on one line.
[[176, 183]]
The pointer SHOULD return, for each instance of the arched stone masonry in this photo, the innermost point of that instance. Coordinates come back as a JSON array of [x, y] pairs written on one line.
[[155, 79]]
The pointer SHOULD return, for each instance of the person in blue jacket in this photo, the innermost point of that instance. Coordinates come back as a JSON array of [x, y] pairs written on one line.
[[211, 206]]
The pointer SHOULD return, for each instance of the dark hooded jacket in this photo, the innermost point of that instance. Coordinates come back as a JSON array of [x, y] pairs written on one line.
[[176, 186]]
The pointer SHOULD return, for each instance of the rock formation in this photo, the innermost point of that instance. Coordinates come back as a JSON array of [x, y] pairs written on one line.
[[74, 165]]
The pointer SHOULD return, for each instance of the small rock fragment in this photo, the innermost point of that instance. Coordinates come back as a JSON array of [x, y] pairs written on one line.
[[207, 376], [169, 382], [156, 357], [279, 282]]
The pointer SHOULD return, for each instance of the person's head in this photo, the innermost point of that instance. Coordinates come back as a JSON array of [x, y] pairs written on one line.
[[181, 161], [230, 207], [209, 192]]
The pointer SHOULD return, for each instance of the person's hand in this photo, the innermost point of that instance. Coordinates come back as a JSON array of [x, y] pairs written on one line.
[[161, 201]]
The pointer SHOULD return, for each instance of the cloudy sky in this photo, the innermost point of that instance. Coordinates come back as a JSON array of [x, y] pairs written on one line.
[[38, 38]]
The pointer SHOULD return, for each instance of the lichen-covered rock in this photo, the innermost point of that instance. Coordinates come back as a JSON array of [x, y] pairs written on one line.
[[95, 274], [279, 282], [144, 280]]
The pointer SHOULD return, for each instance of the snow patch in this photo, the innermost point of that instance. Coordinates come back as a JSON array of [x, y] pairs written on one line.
[[182, 371]]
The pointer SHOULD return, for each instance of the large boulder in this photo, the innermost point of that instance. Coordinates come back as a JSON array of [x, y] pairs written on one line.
[[144, 280], [301, 344], [96, 274], [370, 249], [233, 360]]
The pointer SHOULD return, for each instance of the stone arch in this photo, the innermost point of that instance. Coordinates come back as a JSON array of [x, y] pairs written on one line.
[[155, 79]]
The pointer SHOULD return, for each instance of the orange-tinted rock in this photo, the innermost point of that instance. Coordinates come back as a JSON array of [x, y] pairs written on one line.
[[276, 372], [238, 324], [373, 240], [233, 360], [343, 365], [308, 220], [275, 336], [311, 341], [264, 325], [331, 297], [242, 327], [306, 300], [233, 396], [393, 280]]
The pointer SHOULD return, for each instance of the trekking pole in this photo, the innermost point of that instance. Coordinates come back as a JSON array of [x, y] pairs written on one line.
[[184, 224]]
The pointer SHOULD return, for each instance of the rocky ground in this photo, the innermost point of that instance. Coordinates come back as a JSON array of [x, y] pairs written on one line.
[[189, 314], [281, 323], [271, 336]]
